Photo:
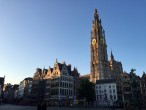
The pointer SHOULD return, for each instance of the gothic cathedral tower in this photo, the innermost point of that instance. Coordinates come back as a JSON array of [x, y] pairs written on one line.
[[99, 64]]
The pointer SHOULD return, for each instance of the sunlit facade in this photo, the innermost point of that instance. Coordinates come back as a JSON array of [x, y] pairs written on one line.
[[60, 86]]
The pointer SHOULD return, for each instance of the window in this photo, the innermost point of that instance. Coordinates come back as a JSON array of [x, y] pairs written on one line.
[[104, 90], [113, 90], [99, 87], [110, 91], [111, 97], [97, 96], [97, 91], [113, 86], [114, 96], [110, 86]]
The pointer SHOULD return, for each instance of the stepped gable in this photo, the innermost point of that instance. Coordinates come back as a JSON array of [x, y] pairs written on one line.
[[75, 72], [60, 66], [69, 69]]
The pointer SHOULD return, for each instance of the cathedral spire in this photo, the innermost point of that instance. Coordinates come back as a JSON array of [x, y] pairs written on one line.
[[95, 26], [95, 14], [112, 57]]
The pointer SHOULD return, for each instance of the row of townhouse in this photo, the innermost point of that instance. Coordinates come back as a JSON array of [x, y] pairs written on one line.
[[57, 85], [9, 92]]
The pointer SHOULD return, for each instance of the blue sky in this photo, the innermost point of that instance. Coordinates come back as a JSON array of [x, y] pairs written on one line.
[[33, 33]]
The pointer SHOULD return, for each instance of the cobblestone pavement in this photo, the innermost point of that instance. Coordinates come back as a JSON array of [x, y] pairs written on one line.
[[17, 107]]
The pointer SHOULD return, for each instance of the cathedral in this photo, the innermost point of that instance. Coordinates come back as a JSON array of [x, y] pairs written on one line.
[[100, 66], [103, 69]]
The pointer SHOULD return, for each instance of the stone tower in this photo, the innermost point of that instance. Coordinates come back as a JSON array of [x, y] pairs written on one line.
[[116, 68], [99, 65]]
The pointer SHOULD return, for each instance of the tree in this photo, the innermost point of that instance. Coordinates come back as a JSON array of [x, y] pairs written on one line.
[[134, 83], [86, 90]]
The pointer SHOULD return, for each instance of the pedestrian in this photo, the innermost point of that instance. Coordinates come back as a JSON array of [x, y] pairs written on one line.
[[39, 106], [44, 106], [59, 104]]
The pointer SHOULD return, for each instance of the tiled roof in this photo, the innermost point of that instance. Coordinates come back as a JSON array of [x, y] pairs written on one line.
[[102, 81], [86, 75], [29, 78]]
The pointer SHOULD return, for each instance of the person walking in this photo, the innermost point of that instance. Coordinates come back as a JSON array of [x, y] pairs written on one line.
[[39, 106], [44, 106]]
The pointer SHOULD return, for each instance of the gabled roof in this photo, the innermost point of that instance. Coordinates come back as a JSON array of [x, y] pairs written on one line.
[[29, 78], [103, 81], [38, 70], [86, 75], [50, 69], [60, 66], [69, 69], [75, 72]]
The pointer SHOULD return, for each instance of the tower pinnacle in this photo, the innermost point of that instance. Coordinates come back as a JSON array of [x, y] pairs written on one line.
[[112, 57], [95, 14], [96, 11]]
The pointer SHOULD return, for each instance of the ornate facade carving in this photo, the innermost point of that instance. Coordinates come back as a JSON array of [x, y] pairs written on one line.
[[99, 65], [61, 83]]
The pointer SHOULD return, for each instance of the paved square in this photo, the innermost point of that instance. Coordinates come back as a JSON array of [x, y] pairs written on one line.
[[17, 107]]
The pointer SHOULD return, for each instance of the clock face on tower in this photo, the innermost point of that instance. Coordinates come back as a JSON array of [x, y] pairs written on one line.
[[93, 41]]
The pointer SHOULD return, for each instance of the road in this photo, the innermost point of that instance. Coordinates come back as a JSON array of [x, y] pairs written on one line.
[[17, 107]]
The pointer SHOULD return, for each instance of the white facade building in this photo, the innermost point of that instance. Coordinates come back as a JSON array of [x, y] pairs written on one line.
[[16, 94], [29, 87], [23, 87], [106, 92]]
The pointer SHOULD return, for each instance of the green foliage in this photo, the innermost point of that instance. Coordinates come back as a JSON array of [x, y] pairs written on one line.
[[86, 90], [136, 94]]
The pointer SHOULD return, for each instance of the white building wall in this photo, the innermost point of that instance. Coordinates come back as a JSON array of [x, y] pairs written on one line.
[[106, 93], [16, 92], [29, 87], [21, 89]]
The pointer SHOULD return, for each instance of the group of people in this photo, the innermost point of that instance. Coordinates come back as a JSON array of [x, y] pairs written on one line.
[[41, 106]]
